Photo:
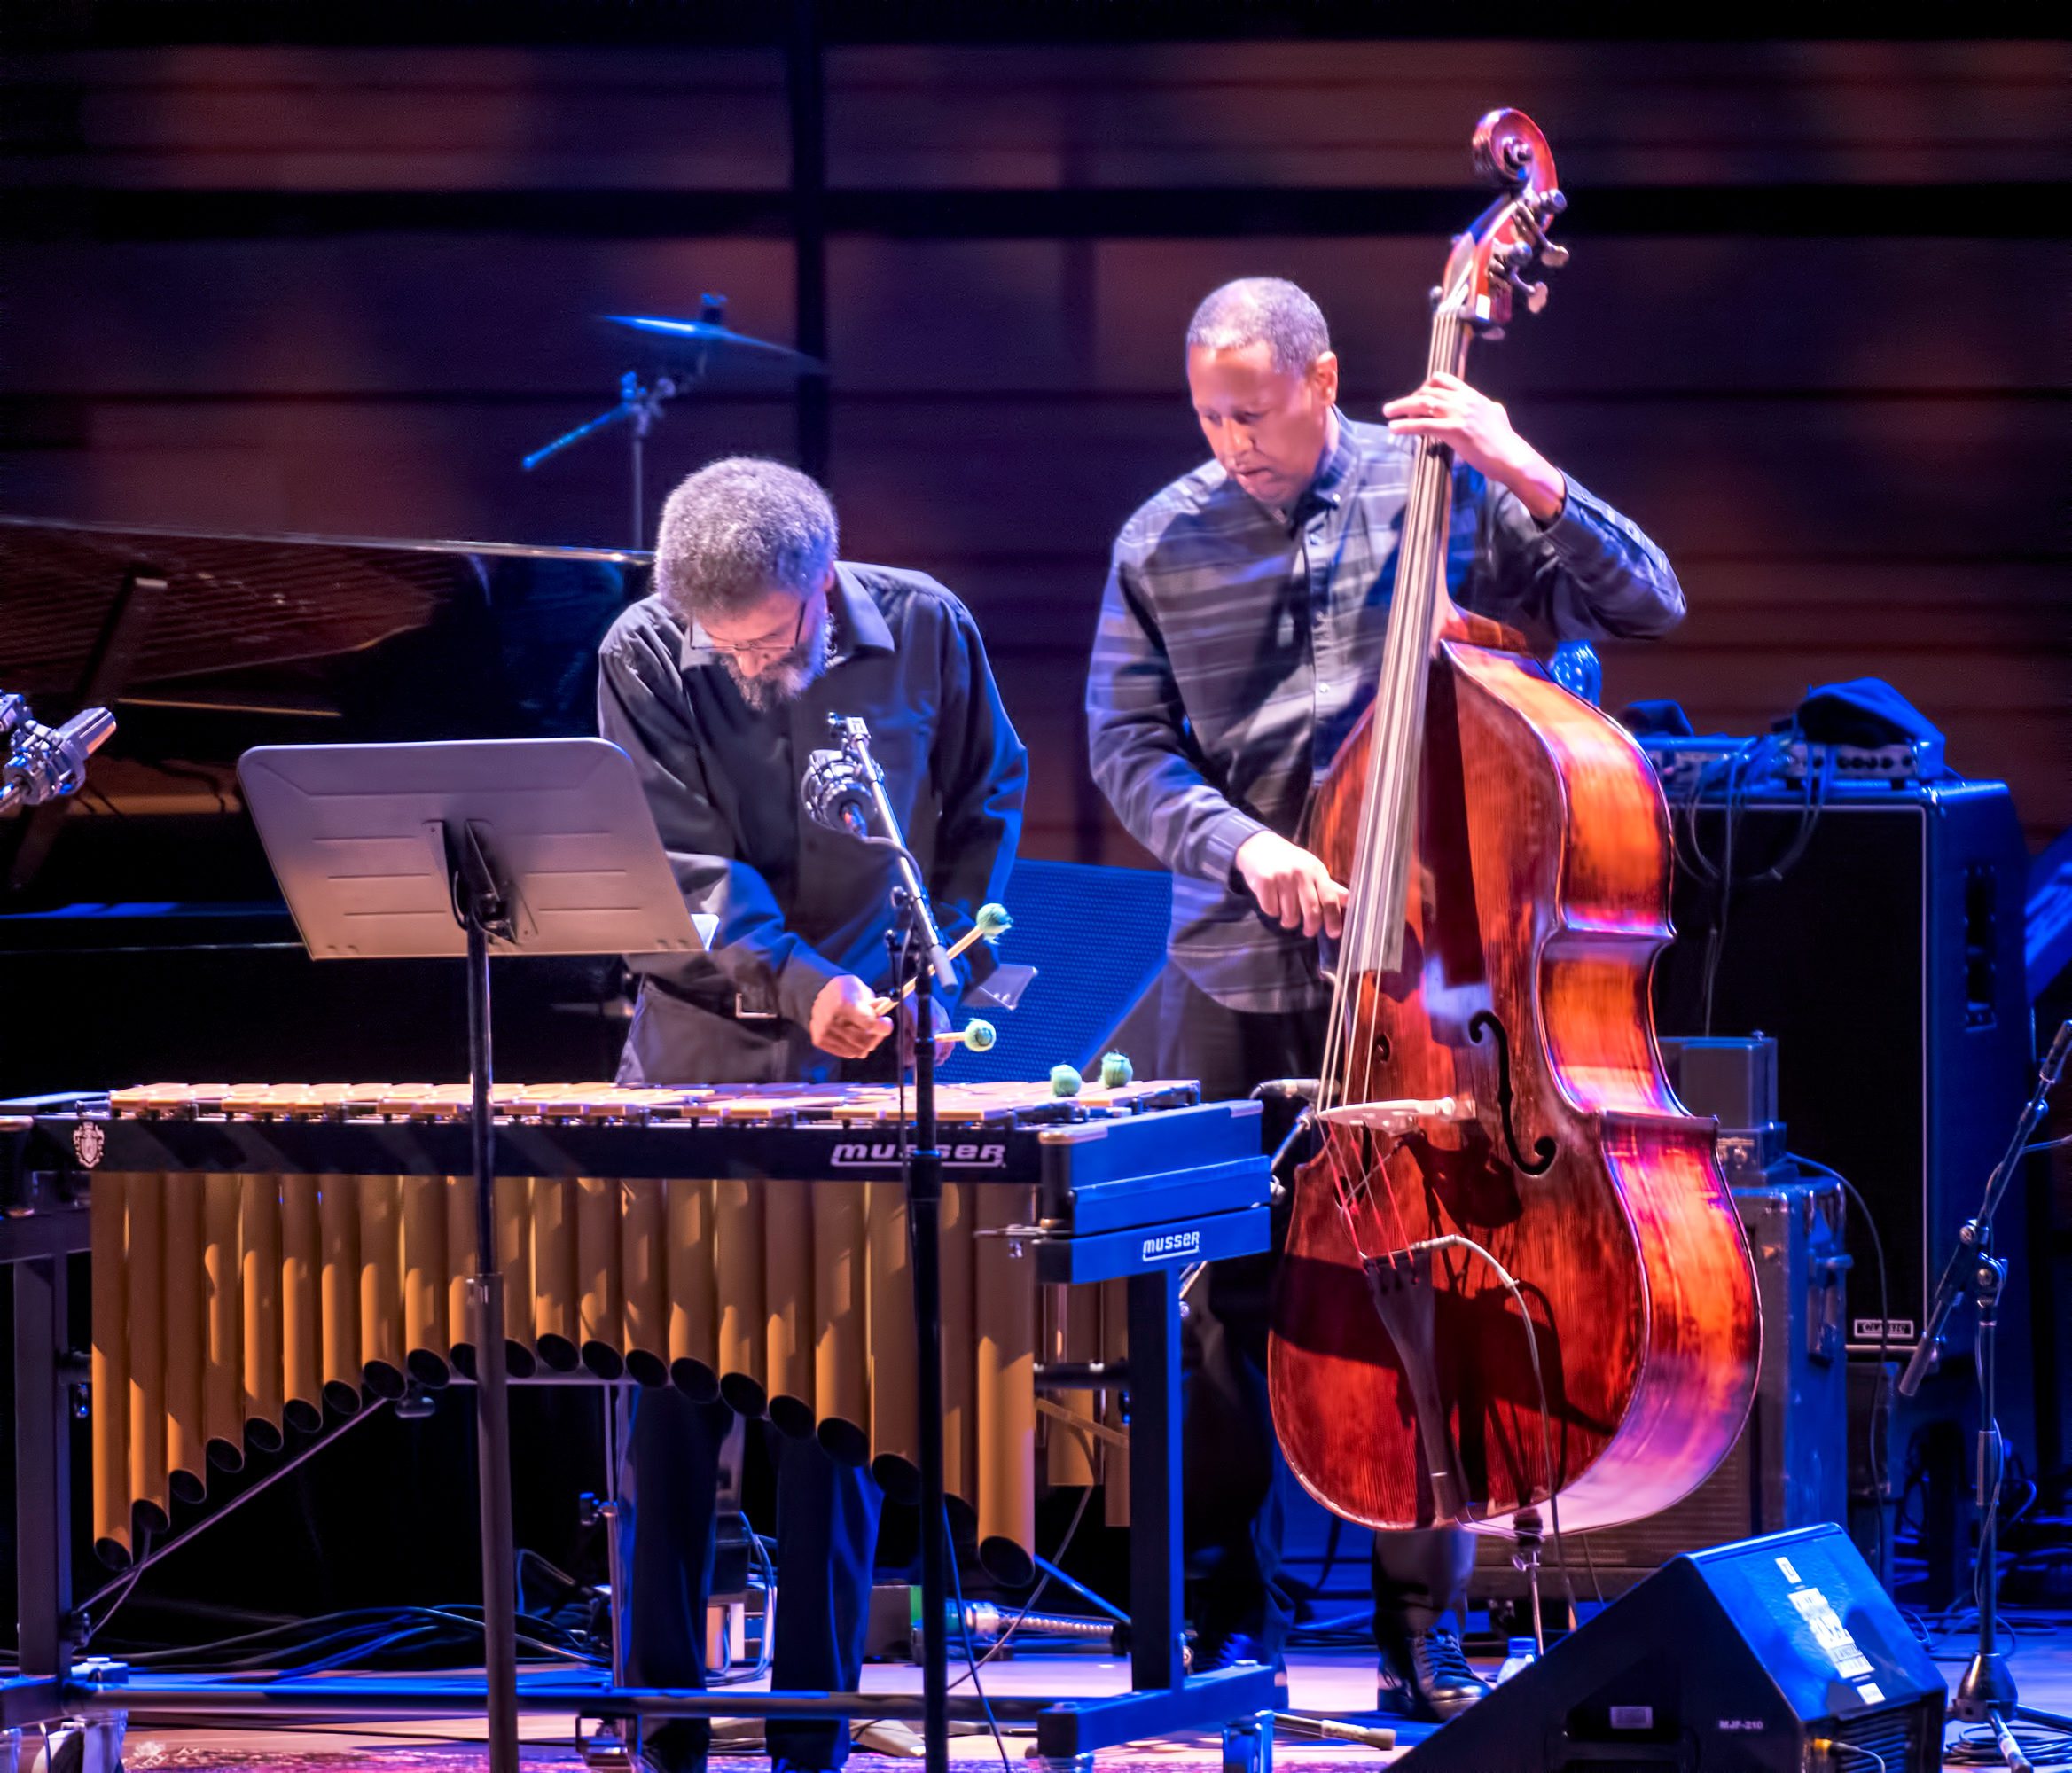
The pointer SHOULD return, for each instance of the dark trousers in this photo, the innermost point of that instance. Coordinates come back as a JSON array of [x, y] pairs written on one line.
[[1234, 1517], [827, 1535]]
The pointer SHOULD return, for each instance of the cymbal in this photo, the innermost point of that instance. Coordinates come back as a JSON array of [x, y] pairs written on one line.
[[718, 345]]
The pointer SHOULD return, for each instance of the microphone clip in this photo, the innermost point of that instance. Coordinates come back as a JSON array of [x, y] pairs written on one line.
[[43, 762], [843, 789]]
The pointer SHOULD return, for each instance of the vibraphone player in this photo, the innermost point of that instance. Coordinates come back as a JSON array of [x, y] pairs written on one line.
[[718, 685]]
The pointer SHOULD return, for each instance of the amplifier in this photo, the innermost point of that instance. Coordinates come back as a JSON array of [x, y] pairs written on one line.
[[1685, 761], [1878, 937], [1789, 1467]]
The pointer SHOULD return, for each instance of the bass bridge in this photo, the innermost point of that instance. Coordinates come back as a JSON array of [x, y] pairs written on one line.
[[1401, 1116]]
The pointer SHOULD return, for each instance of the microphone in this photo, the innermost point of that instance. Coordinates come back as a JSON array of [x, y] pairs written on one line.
[[843, 789], [835, 796], [44, 763]]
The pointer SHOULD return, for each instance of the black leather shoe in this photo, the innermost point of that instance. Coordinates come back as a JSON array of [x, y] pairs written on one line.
[[1426, 1677]]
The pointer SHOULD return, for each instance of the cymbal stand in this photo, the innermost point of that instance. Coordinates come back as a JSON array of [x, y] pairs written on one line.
[[639, 407], [1987, 1693]]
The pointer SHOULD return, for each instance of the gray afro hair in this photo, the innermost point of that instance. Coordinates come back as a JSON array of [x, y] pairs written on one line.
[[1253, 309], [739, 528]]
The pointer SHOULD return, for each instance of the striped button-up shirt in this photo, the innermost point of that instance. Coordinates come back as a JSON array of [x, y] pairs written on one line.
[[1237, 649]]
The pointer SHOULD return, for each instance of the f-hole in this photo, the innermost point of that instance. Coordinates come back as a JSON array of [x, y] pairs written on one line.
[[1543, 1148]]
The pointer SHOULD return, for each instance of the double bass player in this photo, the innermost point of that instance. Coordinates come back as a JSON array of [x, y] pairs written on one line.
[[1240, 639]]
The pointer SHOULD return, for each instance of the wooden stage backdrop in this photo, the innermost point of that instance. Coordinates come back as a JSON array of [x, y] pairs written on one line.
[[1813, 337]]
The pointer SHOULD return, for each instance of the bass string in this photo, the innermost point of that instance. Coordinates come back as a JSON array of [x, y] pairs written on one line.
[[1350, 1194], [1382, 848], [1399, 715], [1421, 584], [1381, 845]]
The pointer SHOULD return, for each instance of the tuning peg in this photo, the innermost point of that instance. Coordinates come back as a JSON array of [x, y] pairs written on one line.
[[1552, 256], [1535, 294]]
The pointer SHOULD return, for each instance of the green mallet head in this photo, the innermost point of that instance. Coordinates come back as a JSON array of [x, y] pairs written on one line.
[[1064, 1081], [1116, 1070], [993, 922], [978, 1035]]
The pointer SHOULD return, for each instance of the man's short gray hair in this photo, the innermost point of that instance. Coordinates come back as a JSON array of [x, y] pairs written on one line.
[[1253, 310], [738, 528]]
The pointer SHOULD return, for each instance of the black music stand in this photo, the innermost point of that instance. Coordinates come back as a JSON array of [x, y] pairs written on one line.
[[470, 848]]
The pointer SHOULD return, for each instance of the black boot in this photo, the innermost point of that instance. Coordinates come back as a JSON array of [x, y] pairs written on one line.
[[1417, 1578], [675, 1745], [1425, 1674]]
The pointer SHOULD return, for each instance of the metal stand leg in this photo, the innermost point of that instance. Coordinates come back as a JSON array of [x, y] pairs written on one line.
[[1987, 1693], [42, 1470], [89, 1746], [617, 1739], [1157, 1612], [492, 1397], [924, 1195], [103, 1743], [1247, 1745]]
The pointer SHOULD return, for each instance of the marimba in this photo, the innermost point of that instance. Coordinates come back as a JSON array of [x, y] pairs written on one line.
[[231, 1303], [266, 1256]]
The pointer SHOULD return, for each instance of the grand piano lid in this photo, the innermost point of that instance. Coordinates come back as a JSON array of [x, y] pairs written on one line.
[[229, 602]]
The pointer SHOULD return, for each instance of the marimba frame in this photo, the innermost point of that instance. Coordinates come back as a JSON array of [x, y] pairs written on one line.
[[43, 1189]]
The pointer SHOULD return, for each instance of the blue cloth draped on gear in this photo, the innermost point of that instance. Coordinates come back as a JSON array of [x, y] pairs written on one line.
[[1864, 711]]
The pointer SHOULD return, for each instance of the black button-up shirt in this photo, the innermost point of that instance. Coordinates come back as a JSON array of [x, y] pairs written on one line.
[[798, 905], [1238, 648]]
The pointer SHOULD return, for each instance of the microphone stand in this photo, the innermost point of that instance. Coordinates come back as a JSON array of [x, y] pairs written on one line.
[[1987, 1693], [924, 1212], [843, 789]]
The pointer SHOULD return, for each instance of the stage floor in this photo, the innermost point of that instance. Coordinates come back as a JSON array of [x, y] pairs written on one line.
[[1333, 1683]]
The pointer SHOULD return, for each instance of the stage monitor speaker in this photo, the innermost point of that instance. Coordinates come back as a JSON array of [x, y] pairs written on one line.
[[1745, 1659], [1097, 937]]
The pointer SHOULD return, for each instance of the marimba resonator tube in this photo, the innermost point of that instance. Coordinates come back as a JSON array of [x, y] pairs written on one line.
[[229, 1309]]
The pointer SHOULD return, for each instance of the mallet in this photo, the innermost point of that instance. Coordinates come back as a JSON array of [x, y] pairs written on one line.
[[992, 923]]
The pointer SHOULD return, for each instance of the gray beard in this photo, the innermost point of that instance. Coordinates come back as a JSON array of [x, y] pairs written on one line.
[[786, 680]]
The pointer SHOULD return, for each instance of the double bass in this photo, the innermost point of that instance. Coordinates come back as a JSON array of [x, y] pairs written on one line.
[[1513, 1271]]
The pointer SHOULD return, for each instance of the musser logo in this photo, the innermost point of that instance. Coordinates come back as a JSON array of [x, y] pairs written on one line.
[[874, 1155], [1171, 1244]]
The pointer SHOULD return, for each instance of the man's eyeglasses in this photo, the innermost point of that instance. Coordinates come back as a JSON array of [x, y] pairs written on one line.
[[768, 645]]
